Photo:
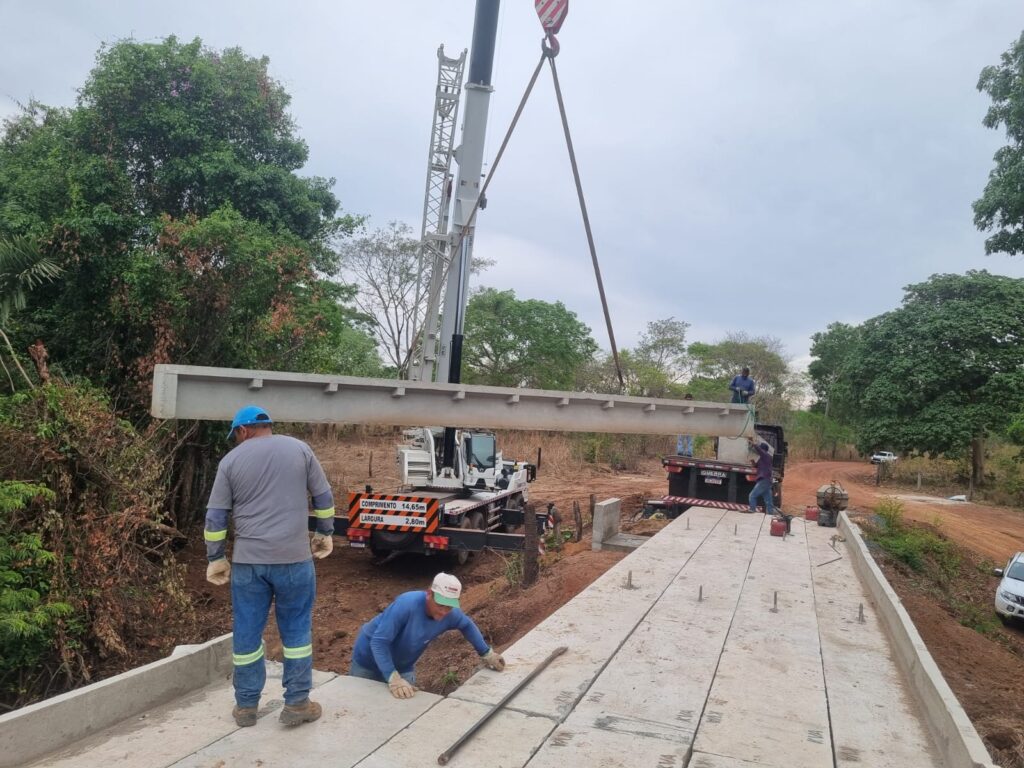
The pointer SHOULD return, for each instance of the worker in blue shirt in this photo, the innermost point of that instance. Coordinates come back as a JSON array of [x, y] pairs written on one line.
[[762, 489], [390, 644], [742, 387]]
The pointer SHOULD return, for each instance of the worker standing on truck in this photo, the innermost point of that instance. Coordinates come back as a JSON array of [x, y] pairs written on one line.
[[390, 644], [763, 487], [742, 386], [265, 483]]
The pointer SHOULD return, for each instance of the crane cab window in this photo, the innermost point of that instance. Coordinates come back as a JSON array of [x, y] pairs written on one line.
[[480, 450]]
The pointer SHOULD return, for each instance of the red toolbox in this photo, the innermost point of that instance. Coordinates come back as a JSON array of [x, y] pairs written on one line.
[[811, 514], [778, 527]]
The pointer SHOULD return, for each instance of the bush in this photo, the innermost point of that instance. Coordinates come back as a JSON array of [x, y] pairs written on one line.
[[914, 546], [28, 616], [89, 583]]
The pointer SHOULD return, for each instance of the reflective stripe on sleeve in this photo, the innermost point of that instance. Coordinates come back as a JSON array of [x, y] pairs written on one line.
[[324, 513], [241, 659], [298, 653]]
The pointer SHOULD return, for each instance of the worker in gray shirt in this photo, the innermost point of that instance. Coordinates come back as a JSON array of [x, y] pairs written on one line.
[[265, 484]]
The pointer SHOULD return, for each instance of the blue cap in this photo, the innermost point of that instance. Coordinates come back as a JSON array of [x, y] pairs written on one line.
[[247, 416]]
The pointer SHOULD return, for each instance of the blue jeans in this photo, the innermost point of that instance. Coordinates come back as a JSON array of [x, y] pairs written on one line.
[[358, 670], [292, 587], [684, 445], [762, 490]]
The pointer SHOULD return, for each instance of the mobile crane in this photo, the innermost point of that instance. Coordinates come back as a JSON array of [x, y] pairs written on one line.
[[451, 478]]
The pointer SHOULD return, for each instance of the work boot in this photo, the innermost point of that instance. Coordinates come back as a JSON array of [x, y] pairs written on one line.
[[297, 714], [244, 716]]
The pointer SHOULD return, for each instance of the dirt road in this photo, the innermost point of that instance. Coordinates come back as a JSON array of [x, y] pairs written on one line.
[[993, 532]]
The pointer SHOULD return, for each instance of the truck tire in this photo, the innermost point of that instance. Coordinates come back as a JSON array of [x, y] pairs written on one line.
[[390, 541], [514, 502], [474, 520]]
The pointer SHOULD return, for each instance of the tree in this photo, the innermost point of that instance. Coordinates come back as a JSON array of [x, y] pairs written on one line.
[[714, 365], [832, 350], [945, 369], [384, 264], [523, 343], [170, 145], [1001, 206], [654, 368]]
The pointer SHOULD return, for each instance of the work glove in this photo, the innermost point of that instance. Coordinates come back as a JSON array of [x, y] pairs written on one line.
[[218, 572], [400, 687], [494, 660], [322, 544]]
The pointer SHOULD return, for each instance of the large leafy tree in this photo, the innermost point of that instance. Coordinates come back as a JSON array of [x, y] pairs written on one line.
[[172, 145], [944, 370], [833, 351], [1000, 209], [523, 342]]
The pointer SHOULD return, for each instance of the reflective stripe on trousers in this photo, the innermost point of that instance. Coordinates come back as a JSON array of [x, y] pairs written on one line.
[[292, 588]]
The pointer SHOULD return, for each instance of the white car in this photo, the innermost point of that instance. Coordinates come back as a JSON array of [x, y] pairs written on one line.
[[883, 457], [1010, 593]]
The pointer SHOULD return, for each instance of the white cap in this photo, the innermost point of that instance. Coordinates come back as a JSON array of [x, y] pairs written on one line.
[[446, 589]]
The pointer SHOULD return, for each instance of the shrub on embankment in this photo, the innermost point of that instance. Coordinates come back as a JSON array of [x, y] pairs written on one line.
[[87, 581]]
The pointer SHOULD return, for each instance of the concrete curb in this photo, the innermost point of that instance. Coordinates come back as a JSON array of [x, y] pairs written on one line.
[[47, 726], [952, 731]]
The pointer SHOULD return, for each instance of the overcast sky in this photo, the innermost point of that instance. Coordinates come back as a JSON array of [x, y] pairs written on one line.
[[749, 166]]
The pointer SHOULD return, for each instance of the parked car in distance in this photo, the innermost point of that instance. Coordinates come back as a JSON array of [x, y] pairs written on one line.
[[1010, 592], [883, 457]]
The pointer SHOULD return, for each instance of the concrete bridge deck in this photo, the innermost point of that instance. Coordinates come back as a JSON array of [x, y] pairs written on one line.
[[732, 648]]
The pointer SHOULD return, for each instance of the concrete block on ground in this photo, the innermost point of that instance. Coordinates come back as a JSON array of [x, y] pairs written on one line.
[[783, 718], [50, 725], [165, 734], [884, 732], [624, 542], [607, 748], [606, 521], [359, 716], [507, 740]]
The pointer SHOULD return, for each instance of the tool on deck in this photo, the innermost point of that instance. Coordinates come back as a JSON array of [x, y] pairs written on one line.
[[445, 756]]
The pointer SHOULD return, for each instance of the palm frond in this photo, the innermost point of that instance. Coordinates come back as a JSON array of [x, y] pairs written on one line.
[[23, 267]]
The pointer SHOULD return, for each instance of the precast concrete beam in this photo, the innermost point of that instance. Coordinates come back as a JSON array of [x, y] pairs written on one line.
[[215, 394]]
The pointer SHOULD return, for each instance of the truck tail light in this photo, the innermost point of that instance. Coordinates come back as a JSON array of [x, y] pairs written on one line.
[[436, 542], [358, 535]]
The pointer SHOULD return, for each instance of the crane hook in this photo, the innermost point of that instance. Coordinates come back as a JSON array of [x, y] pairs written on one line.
[[550, 46]]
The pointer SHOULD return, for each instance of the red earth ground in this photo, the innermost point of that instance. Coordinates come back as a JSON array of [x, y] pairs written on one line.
[[984, 670]]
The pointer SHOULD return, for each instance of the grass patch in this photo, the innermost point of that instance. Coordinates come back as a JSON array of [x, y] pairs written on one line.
[[918, 548]]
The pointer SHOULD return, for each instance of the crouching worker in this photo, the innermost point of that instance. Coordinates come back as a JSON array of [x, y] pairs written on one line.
[[389, 645]]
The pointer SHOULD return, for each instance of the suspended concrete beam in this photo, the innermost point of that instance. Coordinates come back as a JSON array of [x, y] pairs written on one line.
[[214, 394]]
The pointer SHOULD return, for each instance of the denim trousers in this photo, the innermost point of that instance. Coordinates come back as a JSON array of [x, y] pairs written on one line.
[[684, 445], [292, 587], [762, 490], [358, 670]]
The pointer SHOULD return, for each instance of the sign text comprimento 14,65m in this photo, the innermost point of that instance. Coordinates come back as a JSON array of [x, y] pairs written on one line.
[[393, 505]]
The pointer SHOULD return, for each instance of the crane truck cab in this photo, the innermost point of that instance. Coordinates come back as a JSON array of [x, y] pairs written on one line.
[[473, 504], [479, 464]]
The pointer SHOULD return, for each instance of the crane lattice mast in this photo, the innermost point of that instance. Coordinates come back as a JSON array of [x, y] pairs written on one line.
[[435, 244]]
